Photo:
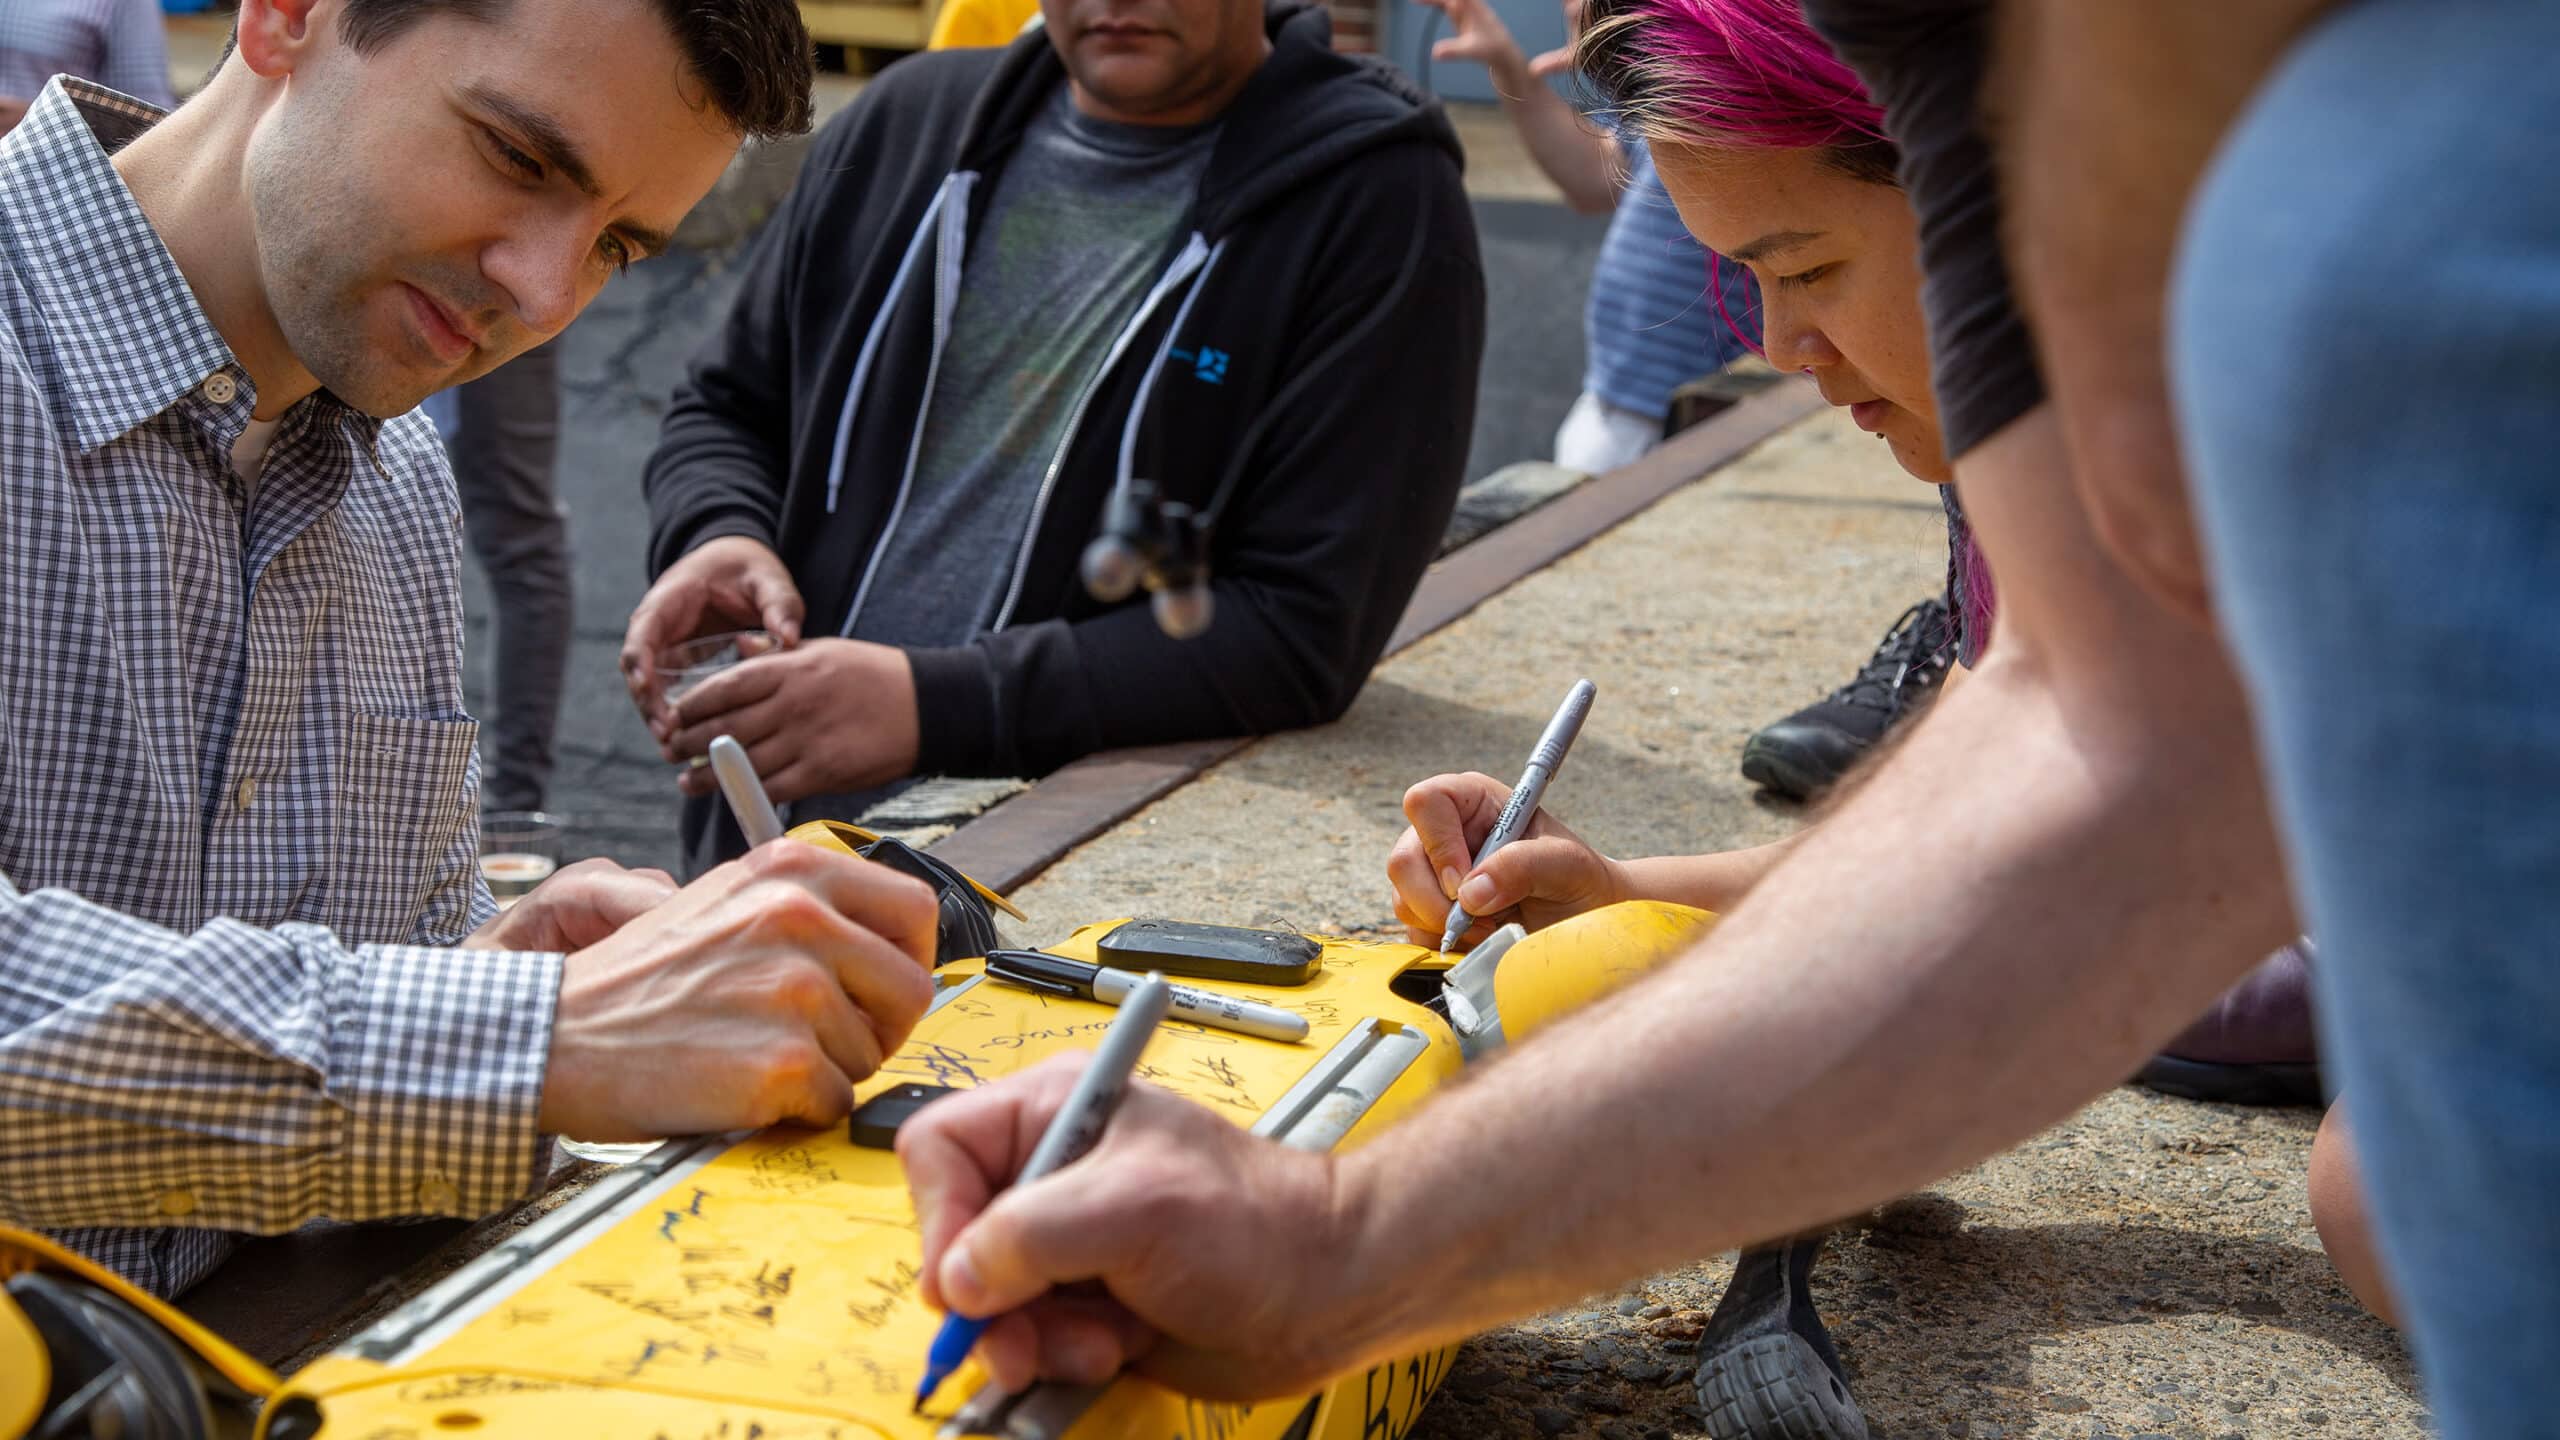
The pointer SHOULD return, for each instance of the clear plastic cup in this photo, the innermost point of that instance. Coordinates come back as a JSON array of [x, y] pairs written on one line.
[[518, 850], [683, 667]]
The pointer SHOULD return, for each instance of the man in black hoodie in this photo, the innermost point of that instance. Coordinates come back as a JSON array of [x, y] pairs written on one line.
[[1172, 242]]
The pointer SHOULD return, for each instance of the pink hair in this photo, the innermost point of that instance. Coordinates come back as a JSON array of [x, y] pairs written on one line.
[[1745, 73], [1731, 72]]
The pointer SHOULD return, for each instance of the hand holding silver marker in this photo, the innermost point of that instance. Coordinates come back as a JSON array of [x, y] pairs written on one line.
[[1532, 788], [1076, 1128]]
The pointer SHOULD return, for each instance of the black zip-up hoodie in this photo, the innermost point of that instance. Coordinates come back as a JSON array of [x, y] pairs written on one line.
[[1330, 310]]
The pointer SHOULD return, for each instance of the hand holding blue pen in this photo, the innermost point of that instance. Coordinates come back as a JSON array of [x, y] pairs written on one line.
[[1076, 1129]]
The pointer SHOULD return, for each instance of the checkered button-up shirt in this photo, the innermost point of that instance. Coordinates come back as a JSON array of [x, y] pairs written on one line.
[[236, 782]]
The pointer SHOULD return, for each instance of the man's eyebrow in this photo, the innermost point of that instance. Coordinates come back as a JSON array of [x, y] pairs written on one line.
[[651, 242], [1770, 244], [550, 143]]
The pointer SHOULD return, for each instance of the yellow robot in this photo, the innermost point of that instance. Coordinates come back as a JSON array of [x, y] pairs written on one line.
[[764, 1285]]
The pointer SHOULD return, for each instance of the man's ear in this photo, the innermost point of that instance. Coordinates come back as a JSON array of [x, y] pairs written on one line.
[[274, 35]]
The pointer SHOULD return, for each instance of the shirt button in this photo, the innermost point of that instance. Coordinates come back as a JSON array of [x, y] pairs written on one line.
[[220, 388], [248, 791], [177, 1203], [436, 1196]]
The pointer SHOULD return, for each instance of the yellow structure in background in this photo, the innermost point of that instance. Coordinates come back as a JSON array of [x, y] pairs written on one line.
[[964, 24], [889, 24]]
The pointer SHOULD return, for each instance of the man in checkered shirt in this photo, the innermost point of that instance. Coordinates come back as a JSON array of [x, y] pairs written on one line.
[[248, 973]]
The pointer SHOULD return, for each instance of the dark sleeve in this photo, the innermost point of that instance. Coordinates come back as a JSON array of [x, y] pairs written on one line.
[[724, 451], [1924, 63], [1340, 508]]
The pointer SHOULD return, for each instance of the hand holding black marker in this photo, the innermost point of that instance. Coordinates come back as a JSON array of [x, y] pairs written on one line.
[[1525, 796], [1076, 1128]]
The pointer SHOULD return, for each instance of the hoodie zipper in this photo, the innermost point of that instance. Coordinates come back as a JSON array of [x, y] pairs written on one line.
[[1193, 260], [1155, 368], [950, 251]]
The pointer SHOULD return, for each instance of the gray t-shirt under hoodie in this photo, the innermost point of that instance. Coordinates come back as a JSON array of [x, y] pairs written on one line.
[[1079, 228]]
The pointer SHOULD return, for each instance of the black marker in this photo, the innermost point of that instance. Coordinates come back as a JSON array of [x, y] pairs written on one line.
[[1039, 970]]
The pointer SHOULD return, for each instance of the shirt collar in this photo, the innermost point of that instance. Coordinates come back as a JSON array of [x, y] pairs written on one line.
[[124, 337]]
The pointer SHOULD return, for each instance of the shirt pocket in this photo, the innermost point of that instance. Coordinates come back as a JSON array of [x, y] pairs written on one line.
[[405, 862]]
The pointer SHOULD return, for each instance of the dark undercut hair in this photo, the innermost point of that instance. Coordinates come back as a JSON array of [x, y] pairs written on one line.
[[753, 57]]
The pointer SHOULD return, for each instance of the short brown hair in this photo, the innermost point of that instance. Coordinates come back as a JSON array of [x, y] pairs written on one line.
[[753, 56]]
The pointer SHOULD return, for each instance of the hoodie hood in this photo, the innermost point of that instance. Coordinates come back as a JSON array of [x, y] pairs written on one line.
[[1304, 112]]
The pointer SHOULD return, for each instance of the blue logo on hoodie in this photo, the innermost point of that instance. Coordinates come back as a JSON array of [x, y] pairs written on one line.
[[1208, 366]]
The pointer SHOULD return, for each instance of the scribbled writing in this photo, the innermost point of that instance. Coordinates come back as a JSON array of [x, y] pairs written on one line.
[[791, 1170], [1205, 1420], [446, 1388], [1392, 1395], [941, 1064], [628, 1297], [1224, 1084], [1021, 1038], [872, 1314], [855, 1374]]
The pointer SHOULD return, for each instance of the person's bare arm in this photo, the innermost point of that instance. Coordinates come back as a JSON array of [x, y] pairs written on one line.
[[2066, 859], [1583, 160], [2113, 112], [1548, 874]]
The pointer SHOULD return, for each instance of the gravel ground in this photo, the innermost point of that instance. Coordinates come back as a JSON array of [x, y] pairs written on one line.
[[2146, 1269]]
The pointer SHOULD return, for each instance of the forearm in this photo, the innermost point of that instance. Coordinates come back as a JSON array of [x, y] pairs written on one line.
[[1815, 1057], [269, 1077], [2066, 859], [1579, 157], [2119, 109], [1709, 882]]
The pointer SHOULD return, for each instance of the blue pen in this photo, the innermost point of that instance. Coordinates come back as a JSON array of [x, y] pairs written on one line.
[[1076, 1128]]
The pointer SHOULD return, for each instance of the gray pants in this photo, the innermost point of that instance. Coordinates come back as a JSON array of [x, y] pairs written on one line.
[[503, 447]]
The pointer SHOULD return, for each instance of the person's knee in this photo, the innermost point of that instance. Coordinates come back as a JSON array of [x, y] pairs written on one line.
[[2338, 1212]]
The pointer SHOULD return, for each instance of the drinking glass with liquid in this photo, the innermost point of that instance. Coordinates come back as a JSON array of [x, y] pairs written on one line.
[[518, 850]]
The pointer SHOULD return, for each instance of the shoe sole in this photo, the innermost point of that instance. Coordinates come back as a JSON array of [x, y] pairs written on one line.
[[1779, 773], [1775, 1387], [2264, 1085]]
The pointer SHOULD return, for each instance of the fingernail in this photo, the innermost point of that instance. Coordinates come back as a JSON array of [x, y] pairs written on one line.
[[1091, 1360], [961, 1288], [1449, 878], [1476, 895]]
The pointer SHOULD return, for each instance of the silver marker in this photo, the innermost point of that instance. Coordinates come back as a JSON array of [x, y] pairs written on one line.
[[1526, 795], [746, 794], [1075, 1129]]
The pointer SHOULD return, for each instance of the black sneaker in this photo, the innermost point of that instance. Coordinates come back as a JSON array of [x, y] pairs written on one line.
[[1766, 1367], [1806, 753]]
